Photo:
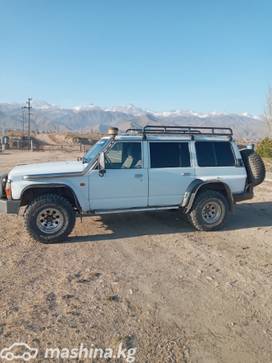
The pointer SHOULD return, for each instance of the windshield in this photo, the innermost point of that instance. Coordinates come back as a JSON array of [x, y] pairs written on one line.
[[94, 150]]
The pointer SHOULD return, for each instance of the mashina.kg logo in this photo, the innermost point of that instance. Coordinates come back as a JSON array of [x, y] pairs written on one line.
[[19, 351]]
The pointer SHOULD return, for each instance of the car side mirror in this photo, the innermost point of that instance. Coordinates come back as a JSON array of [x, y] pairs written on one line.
[[101, 164]]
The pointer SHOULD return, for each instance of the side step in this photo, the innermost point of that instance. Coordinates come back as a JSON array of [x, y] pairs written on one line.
[[131, 210]]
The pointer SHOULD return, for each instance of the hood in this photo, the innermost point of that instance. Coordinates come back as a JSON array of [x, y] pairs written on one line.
[[47, 168]]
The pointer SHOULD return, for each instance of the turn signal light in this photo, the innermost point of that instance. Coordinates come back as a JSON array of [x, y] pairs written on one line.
[[8, 190]]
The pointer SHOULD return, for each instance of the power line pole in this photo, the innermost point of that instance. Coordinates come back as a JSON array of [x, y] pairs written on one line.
[[23, 120], [28, 107]]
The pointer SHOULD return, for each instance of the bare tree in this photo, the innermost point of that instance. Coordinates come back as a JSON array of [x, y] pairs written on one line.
[[268, 111]]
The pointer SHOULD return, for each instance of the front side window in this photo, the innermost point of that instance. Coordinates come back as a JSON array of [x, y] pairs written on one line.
[[124, 155], [169, 154], [212, 154]]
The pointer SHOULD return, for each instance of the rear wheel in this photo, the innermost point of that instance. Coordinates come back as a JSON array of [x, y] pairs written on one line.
[[209, 211], [50, 218]]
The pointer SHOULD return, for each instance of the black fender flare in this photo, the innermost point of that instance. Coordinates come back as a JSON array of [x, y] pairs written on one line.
[[53, 186], [195, 187]]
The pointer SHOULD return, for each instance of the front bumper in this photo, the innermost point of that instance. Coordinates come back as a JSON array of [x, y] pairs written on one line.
[[9, 206]]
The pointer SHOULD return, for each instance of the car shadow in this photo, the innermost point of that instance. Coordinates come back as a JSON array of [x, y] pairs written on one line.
[[118, 226], [250, 215], [129, 225]]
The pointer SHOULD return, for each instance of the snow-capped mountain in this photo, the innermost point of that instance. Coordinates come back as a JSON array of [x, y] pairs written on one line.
[[42, 105], [47, 117], [129, 109], [88, 107]]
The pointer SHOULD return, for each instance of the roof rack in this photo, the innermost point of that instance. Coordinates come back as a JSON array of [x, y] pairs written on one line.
[[182, 130]]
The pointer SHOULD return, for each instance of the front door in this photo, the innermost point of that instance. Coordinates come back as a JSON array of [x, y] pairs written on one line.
[[125, 182]]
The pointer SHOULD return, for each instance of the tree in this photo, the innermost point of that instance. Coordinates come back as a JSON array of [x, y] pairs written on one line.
[[268, 111], [264, 148]]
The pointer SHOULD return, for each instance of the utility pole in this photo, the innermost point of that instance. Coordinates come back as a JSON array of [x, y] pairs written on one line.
[[23, 120], [28, 107]]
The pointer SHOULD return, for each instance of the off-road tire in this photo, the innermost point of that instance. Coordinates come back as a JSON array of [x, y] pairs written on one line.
[[204, 198], [50, 201], [254, 165]]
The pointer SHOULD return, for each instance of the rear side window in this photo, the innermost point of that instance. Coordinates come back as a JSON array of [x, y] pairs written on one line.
[[169, 154], [218, 153]]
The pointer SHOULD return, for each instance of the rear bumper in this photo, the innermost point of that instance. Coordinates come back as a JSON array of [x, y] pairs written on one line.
[[9, 206], [248, 194]]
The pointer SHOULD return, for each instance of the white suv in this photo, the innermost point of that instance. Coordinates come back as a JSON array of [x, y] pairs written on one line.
[[199, 170]]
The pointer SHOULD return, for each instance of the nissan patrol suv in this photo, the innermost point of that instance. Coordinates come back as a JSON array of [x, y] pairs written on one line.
[[198, 170]]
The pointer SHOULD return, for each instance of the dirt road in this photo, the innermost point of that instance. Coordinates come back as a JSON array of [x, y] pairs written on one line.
[[146, 280]]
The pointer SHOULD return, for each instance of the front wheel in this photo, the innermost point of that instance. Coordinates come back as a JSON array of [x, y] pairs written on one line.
[[50, 218], [209, 211]]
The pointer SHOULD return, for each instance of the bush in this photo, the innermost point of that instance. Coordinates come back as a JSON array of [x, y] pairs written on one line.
[[264, 148]]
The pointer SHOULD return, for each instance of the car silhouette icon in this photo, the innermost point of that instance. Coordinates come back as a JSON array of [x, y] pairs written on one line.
[[19, 351]]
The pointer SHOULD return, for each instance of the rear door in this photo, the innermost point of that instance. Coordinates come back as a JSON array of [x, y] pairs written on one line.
[[170, 172]]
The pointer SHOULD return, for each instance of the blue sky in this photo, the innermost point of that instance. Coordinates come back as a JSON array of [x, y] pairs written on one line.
[[204, 55]]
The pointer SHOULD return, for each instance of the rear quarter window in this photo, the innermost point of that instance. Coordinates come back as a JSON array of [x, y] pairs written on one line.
[[214, 153]]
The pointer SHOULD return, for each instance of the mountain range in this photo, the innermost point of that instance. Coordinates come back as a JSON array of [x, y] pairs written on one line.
[[52, 118]]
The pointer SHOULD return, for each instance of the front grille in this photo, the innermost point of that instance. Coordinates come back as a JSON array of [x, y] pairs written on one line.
[[3, 182]]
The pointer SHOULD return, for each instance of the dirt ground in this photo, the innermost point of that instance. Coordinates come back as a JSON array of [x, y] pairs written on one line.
[[147, 280]]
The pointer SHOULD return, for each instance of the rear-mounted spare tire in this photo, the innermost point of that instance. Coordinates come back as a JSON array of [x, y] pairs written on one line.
[[254, 165]]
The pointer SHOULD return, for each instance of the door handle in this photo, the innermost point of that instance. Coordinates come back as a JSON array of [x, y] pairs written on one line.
[[138, 175], [186, 174]]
